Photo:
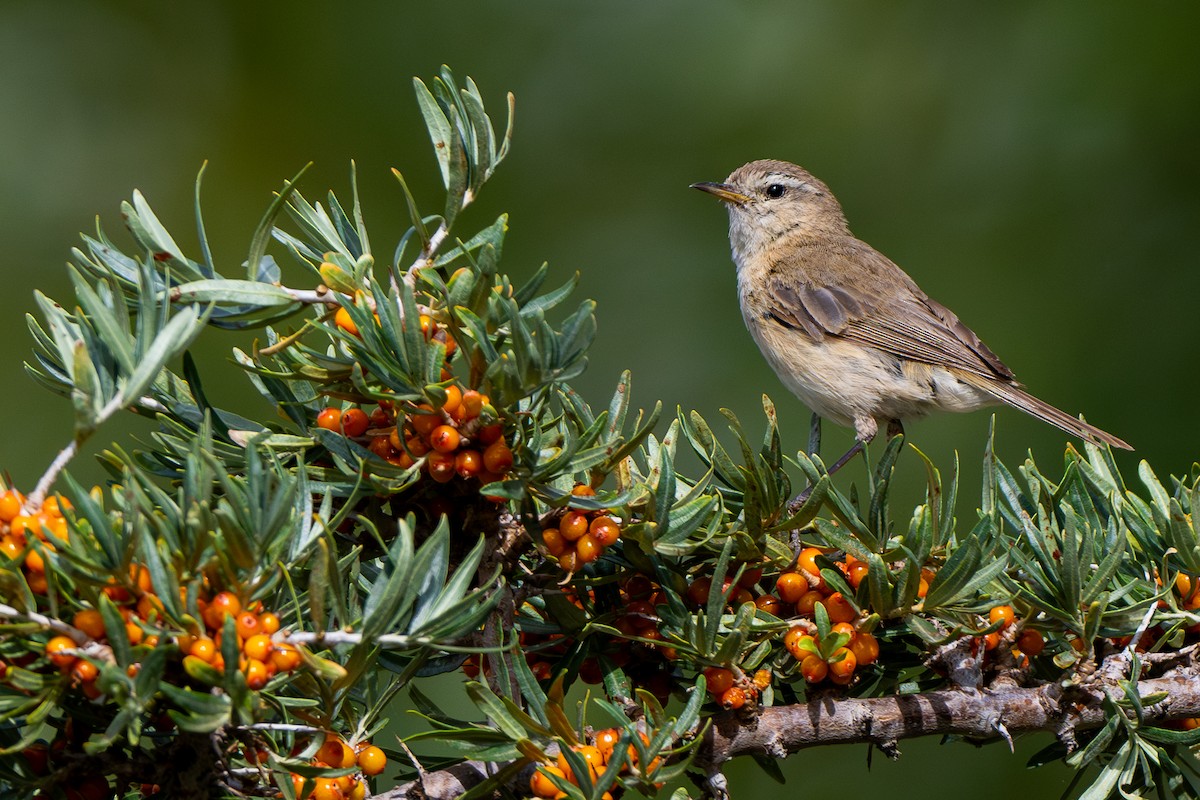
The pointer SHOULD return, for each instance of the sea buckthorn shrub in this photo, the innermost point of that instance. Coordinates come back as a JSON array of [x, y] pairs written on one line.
[[423, 500]]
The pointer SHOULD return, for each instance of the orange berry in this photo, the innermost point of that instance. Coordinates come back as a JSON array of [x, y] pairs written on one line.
[[34, 561], [10, 505], [542, 786], [56, 651], [813, 668], [593, 762], [762, 679], [11, 547], [593, 757], [498, 457], [380, 446], [372, 760], [355, 422], [204, 649], [553, 539], [269, 621], [90, 622], [134, 633], [588, 549], [440, 466], [769, 603], [697, 591], [865, 648], [358, 791], [336, 753], [1031, 642], [606, 741], [922, 587], [605, 531], [55, 505], [843, 662], [344, 321], [471, 406], [37, 582], [583, 490], [327, 789], [991, 641], [807, 560], [285, 657], [248, 625], [490, 434], [444, 438], [846, 628], [1183, 583], [793, 636], [838, 608], [807, 602], [733, 698], [569, 560], [468, 463], [856, 573], [428, 326], [149, 605], [330, 419], [257, 674], [425, 419], [718, 680], [802, 646], [23, 525], [1002, 614], [223, 605], [573, 525], [258, 647], [454, 397]]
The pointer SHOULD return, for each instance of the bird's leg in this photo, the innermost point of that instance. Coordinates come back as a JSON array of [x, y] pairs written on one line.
[[814, 435], [845, 459], [864, 429]]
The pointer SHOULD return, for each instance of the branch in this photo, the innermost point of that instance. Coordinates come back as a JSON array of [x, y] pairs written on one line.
[[977, 715]]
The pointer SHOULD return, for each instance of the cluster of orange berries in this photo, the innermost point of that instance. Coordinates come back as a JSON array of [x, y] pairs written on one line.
[[135, 611], [734, 690], [845, 649], [647, 664], [595, 755], [260, 657], [1029, 642], [581, 536], [16, 528], [337, 754], [452, 438]]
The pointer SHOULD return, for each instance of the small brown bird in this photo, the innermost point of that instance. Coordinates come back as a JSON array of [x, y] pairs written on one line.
[[843, 327]]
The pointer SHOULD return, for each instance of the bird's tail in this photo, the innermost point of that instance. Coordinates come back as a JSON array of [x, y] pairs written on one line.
[[1017, 397]]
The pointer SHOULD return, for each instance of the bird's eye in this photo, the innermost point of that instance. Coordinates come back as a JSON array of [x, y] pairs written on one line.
[[775, 190]]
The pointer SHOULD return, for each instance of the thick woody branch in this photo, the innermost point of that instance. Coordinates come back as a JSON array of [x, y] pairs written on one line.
[[978, 715]]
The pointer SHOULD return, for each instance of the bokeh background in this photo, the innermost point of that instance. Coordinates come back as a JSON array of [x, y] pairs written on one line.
[[1034, 166]]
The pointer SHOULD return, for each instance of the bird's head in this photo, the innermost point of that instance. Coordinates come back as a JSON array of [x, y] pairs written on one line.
[[769, 199]]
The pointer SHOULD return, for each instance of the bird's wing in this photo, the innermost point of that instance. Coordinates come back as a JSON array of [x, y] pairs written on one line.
[[892, 315]]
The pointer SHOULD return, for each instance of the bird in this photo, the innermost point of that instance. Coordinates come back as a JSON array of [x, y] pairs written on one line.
[[844, 328]]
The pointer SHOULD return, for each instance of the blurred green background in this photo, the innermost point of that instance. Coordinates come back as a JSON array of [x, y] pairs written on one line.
[[1034, 166]]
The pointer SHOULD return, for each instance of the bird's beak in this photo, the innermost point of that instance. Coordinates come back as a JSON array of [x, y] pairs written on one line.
[[723, 191]]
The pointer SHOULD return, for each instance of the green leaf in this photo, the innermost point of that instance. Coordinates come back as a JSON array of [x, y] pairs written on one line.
[[440, 130]]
